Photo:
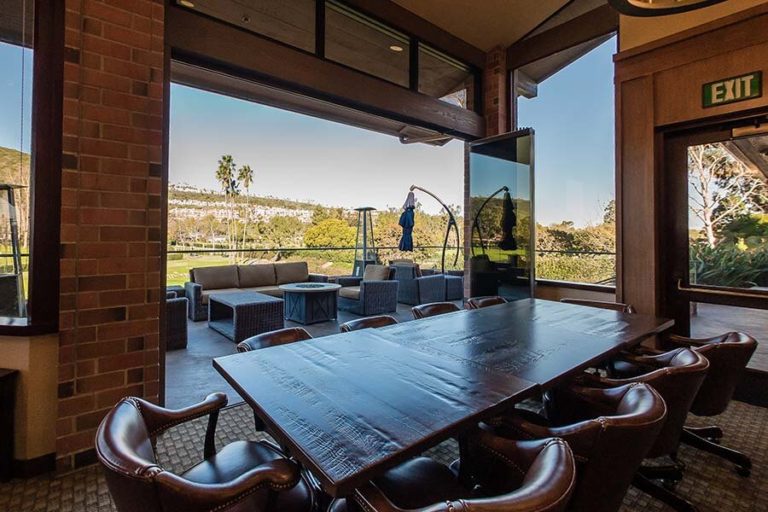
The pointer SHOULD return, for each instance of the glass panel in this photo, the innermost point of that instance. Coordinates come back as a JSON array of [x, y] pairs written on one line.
[[728, 213], [443, 77], [291, 22], [16, 60], [501, 192], [365, 44], [568, 98]]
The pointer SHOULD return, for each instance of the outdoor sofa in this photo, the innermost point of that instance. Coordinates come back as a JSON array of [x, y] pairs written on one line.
[[262, 278]]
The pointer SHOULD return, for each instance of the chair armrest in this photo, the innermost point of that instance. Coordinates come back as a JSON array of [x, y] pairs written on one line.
[[158, 419], [177, 493], [349, 280], [317, 278], [675, 341]]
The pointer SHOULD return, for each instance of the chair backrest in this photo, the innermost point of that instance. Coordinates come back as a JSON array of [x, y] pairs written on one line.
[[535, 475], [677, 381], [273, 338], [728, 356], [124, 448], [602, 304], [484, 302], [433, 309], [609, 449], [404, 271], [367, 322]]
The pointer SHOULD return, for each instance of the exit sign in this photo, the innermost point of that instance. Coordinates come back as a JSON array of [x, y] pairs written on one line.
[[731, 90]]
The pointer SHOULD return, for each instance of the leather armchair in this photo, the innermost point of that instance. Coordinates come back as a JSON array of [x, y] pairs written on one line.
[[513, 476], [728, 356], [614, 306], [433, 309], [368, 322], [484, 302], [610, 432], [242, 476], [274, 338], [677, 375]]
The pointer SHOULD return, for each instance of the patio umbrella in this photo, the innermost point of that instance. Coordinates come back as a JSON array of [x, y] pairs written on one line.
[[508, 224], [406, 222]]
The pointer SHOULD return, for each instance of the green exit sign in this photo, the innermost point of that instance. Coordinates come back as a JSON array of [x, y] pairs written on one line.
[[731, 90]]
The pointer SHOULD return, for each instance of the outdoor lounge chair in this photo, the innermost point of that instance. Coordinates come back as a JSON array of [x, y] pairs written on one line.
[[416, 289], [373, 294]]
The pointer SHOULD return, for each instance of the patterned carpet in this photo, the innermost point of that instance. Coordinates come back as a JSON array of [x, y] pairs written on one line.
[[709, 482]]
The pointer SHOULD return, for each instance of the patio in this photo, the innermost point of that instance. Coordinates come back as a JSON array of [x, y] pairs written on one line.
[[190, 375]]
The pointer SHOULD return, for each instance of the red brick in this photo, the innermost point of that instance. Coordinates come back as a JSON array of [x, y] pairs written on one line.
[[75, 442], [121, 361], [90, 420], [102, 250], [101, 349], [106, 12], [97, 283], [100, 382], [122, 297], [101, 315], [124, 233], [111, 397]]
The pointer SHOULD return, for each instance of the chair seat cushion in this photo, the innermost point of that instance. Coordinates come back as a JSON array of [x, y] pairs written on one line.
[[350, 292], [239, 457], [206, 293], [420, 482]]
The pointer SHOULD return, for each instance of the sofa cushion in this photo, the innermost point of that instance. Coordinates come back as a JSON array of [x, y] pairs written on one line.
[[216, 278], [272, 291], [296, 272], [376, 273], [219, 291], [350, 292], [257, 275]]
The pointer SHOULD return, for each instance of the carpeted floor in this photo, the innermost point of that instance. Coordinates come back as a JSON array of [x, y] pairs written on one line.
[[709, 482]]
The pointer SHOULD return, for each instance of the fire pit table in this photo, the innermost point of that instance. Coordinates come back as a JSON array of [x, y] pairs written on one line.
[[309, 303]]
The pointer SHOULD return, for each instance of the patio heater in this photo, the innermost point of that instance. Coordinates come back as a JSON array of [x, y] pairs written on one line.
[[12, 302], [364, 242], [451, 226]]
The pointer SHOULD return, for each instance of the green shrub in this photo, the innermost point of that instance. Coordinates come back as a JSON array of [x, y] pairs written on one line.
[[577, 268]]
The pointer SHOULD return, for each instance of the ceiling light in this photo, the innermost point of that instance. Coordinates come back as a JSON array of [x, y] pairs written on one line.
[[659, 7], [186, 3], [396, 48]]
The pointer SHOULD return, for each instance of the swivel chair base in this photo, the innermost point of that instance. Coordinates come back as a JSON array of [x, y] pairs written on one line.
[[707, 439]]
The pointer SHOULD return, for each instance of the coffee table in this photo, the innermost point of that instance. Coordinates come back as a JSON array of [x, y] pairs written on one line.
[[241, 315], [309, 303]]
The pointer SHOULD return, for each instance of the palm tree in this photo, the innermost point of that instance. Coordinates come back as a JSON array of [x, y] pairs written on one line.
[[245, 176], [225, 175]]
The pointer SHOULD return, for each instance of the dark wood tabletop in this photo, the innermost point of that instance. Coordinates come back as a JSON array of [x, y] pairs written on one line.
[[352, 405]]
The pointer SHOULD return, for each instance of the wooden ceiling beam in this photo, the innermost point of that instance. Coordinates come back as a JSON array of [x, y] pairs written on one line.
[[586, 27]]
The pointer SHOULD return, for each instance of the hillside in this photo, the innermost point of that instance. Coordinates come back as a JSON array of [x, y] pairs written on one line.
[[10, 171]]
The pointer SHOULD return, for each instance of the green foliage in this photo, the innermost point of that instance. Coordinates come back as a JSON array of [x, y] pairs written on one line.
[[728, 265], [750, 230], [576, 268]]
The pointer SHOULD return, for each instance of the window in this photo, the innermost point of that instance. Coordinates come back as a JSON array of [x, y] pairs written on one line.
[[568, 99], [290, 22], [365, 44], [16, 61], [31, 44], [446, 78]]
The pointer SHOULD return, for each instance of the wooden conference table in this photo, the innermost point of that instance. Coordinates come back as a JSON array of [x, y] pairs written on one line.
[[350, 406]]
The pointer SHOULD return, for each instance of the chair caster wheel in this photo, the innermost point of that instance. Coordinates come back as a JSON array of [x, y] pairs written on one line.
[[743, 472]]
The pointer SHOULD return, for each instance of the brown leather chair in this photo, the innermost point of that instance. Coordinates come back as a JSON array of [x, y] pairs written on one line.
[[242, 476], [511, 476], [614, 306], [433, 309], [274, 338], [369, 322], [484, 302], [728, 356], [610, 432], [677, 375]]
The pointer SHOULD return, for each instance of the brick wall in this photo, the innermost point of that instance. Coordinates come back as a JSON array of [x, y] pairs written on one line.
[[496, 92], [111, 215]]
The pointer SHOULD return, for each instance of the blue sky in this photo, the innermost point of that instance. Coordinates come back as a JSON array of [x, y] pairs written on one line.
[[301, 157], [12, 124]]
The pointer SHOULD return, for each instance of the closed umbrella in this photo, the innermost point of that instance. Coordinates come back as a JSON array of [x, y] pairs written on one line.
[[508, 224], [406, 222]]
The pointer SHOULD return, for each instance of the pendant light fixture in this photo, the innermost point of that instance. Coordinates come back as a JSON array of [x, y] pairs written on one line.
[[659, 7]]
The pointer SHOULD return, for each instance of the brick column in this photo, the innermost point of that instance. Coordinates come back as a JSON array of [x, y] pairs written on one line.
[[111, 215], [496, 92]]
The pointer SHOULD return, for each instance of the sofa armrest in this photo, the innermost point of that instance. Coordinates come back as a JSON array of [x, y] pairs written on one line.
[[349, 280], [194, 293], [431, 288], [317, 278]]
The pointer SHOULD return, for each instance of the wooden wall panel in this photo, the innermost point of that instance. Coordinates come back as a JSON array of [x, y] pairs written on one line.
[[636, 183], [677, 92]]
